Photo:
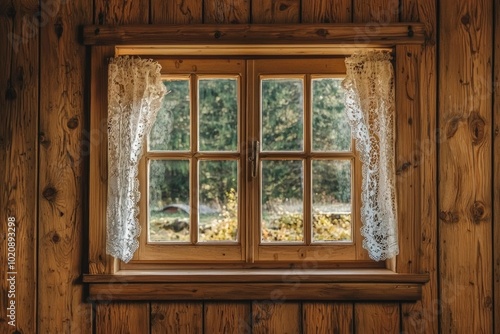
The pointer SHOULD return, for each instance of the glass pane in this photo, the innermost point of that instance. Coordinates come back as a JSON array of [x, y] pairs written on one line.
[[282, 201], [331, 130], [169, 210], [218, 209], [171, 129], [218, 114], [331, 181], [282, 106]]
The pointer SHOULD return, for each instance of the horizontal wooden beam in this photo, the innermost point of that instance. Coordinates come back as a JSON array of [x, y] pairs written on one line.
[[257, 291], [362, 35]]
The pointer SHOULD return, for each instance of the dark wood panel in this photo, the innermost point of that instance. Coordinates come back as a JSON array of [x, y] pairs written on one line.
[[380, 11], [465, 179], [496, 174], [326, 11], [275, 11], [327, 318], [179, 318], [269, 317], [226, 11], [19, 65], [176, 11], [120, 318], [422, 316], [376, 318], [120, 11], [61, 170], [227, 318]]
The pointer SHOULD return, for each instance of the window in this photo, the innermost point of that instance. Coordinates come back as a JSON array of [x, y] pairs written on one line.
[[251, 163]]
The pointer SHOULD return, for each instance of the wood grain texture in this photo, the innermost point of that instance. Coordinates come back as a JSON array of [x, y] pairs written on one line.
[[465, 203], [61, 170], [176, 11], [326, 11], [120, 11], [228, 318], [181, 318], [121, 318], [379, 11], [422, 316], [275, 11], [376, 318], [271, 317], [19, 65], [327, 318], [226, 11], [496, 173]]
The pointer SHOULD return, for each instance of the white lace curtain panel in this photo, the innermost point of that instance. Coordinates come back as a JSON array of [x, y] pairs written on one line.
[[135, 92], [370, 106]]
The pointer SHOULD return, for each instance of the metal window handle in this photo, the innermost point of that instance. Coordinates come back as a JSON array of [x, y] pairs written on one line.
[[254, 157]]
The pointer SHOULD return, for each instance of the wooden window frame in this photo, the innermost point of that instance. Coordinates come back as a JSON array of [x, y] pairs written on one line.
[[400, 280]]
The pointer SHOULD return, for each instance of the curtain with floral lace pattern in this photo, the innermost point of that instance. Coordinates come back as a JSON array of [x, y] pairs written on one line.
[[370, 105], [135, 93]]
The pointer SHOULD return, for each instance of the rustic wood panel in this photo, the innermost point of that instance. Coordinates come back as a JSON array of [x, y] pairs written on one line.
[[376, 318], [326, 11], [181, 318], [270, 317], [19, 64], [226, 11], [422, 316], [120, 11], [60, 216], [120, 318], [227, 318], [380, 11], [327, 318], [496, 173], [465, 227], [176, 11], [275, 11]]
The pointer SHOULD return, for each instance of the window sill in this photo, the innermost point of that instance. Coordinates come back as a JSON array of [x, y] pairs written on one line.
[[257, 284]]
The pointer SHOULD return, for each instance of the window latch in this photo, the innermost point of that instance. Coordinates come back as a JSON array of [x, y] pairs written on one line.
[[254, 157]]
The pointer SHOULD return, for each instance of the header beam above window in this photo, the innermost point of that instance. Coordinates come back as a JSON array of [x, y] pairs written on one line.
[[342, 35]]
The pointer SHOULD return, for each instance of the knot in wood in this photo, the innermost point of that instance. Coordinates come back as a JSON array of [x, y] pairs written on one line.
[[410, 31], [322, 32], [403, 167], [478, 212], [10, 93], [56, 238], [465, 19], [217, 34], [452, 126], [11, 12], [448, 217], [477, 126], [283, 7], [73, 123], [49, 193], [58, 28]]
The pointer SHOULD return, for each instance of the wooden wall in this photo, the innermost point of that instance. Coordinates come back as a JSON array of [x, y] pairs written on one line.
[[44, 145]]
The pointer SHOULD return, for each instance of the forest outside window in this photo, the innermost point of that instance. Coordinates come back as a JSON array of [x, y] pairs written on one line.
[[250, 163]]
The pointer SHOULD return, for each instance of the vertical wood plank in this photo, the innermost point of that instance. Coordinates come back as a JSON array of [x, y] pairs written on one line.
[[496, 174], [465, 115], [121, 318], [407, 156], [61, 169], [227, 318], [176, 11], [326, 11], [373, 318], [380, 11], [19, 64], [327, 318], [422, 316], [275, 11], [270, 317], [180, 318], [120, 11], [226, 11]]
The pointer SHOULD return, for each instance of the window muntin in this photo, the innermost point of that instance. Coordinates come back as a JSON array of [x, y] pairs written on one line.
[[246, 242]]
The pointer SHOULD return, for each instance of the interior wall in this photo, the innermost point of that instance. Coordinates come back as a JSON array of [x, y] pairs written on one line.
[[44, 144]]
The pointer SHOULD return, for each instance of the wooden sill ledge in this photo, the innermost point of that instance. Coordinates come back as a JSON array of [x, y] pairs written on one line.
[[257, 284]]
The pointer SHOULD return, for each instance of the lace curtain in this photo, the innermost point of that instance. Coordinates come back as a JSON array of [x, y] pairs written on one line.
[[370, 106], [135, 92]]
